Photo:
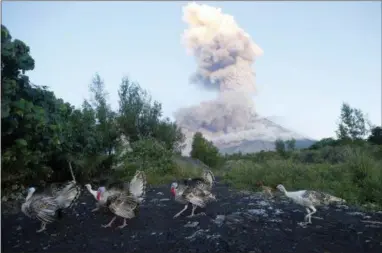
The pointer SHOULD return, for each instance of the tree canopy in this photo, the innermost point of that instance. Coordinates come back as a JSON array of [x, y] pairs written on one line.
[[353, 124], [204, 150], [41, 132]]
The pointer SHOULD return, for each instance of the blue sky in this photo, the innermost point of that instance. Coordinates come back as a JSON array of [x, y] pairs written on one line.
[[316, 54]]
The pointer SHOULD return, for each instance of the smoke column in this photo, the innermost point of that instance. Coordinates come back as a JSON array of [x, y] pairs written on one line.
[[224, 52], [224, 55]]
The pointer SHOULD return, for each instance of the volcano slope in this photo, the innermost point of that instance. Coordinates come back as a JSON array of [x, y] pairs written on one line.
[[237, 222]]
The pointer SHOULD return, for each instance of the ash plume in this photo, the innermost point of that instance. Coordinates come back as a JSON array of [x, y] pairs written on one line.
[[230, 111], [224, 52], [224, 55]]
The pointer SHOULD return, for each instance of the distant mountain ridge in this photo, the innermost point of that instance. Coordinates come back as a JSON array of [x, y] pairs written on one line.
[[258, 145], [259, 134]]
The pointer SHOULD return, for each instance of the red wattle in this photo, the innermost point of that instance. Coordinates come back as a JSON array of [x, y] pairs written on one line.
[[98, 196]]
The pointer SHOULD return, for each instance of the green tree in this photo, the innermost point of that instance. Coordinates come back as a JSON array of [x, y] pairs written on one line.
[[324, 143], [140, 117], [133, 106], [106, 119], [40, 132], [171, 135], [149, 154], [15, 57], [353, 125], [280, 147], [376, 136], [291, 144], [29, 135], [204, 150]]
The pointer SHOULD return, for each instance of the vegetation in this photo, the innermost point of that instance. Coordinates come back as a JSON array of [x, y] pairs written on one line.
[[349, 166], [41, 133], [205, 151], [285, 148]]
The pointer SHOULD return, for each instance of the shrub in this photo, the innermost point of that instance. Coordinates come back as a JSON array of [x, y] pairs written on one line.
[[355, 177], [149, 155], [205, 151]]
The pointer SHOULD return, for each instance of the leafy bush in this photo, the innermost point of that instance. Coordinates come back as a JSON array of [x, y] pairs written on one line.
[[149, 155], [376, 136], [205, 150], [327, 154]]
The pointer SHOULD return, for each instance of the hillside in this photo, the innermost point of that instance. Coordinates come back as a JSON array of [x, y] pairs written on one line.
[[259, 134], [255, 146]]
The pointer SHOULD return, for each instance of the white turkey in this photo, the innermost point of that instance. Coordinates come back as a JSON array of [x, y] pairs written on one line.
[[124, 202], [196, 191], [47, 207], [310, 199]]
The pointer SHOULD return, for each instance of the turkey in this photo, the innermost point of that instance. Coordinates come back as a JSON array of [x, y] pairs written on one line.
[[196, 191], [123, 202], [310, 199], [112, 189], [266, 189], [206, 182], [47, 206]]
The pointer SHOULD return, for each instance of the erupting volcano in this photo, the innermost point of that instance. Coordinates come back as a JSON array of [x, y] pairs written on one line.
[[224, 55]]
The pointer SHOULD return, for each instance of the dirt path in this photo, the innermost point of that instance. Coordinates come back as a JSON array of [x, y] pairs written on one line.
[[237, 222]]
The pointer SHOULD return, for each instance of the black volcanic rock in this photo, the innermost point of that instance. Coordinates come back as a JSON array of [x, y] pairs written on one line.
[[237, 222]]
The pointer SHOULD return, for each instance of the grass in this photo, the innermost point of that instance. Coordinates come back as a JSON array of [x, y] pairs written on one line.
[[357, 179], [185, 171], [180, 168]]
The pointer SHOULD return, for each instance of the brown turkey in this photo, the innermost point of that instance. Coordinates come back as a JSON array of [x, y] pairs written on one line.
[[123, 202], [196, 191]]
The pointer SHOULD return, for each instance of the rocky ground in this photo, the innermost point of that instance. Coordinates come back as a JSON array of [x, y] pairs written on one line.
[[237, 222]]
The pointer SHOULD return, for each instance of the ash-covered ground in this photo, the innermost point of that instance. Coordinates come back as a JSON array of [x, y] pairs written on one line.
[[237, 222]]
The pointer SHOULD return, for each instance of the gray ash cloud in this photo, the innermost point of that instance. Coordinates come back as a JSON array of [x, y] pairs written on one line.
[[224, 56]]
